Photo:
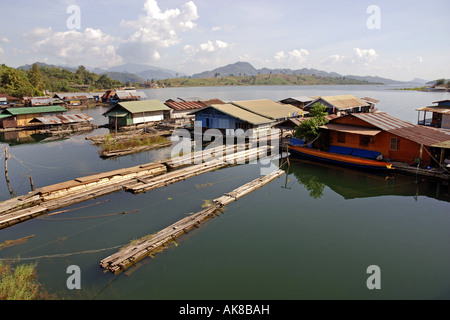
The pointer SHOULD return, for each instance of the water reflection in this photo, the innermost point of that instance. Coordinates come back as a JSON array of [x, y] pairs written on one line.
[[352, 184]]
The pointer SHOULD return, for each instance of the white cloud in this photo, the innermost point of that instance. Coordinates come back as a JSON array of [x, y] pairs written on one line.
[[157, 29], [88, 47], [210, 52], [364, 55], [419, 59], [37, 34], [292, 59], [5, 40]]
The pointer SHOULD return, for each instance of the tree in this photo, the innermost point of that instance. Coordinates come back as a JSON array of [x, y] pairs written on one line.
[[35, 77], [440, 82], [309, 129]]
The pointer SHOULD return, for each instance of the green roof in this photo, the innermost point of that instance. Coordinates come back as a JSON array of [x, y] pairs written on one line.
[[31, 110], [240, 113], [143, 106], [3, 116]]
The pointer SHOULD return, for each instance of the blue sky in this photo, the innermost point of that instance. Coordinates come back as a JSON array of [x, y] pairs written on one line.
[[404, 39]]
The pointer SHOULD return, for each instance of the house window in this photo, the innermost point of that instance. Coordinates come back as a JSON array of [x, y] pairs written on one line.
[[394, 144], [341, 137], [364, 141]]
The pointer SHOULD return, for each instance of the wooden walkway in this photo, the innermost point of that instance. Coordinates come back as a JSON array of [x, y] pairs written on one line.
[[135, 179], [144, 247]]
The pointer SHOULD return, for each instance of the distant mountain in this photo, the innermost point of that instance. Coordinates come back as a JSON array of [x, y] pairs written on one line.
[[245, 68], [124, 77], [236, 69], [147, 72], [27, 67]]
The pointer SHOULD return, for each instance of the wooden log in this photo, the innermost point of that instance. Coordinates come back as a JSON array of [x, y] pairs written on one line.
[[142, 248]]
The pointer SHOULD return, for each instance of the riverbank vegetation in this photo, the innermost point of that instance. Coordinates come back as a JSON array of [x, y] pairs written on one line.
[[20, 283], [111, 144], [261, 79]]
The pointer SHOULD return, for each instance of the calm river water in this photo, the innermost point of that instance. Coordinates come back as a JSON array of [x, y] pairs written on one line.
[[310, 234]]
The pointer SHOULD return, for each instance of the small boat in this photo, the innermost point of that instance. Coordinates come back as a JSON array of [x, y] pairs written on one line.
[[338, 158]]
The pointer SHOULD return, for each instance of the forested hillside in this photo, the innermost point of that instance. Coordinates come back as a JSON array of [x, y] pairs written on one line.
[[33, 82]]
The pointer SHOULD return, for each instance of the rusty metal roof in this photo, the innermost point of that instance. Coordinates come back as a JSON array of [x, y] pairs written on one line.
[[185, 105], [421, 134], [65, 119]]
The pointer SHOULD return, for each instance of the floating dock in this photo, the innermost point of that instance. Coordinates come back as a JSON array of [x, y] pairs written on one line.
[[144, 247]]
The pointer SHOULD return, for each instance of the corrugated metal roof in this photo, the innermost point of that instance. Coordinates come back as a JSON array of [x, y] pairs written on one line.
[[342, 102], [383, 120], [240, 113], [211, 101], [74, 96], [351, 129], [268, 108], [185, 105], [445, 145], [441, 110], [143, 106], [371, 99], [64, 119], [299, 99], [31, 110], [421, 134]]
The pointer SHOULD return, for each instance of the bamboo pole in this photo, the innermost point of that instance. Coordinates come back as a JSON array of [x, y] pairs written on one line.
[[11, 192]]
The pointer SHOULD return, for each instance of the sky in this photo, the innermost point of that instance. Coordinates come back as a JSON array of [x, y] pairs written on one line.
[[396, 39]]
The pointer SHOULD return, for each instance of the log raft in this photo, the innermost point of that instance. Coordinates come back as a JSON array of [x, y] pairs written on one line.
[[135, 179], [146, 246]]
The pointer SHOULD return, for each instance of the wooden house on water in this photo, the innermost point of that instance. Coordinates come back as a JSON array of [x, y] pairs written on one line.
[[137, 112], [395, 139], [343, 104], [181, 108], [22, 117], [299, 102], [440, 115], [74, 99], [227, 117]]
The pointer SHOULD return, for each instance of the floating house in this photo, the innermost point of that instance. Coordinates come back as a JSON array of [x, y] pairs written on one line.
[[128, 95], [299, 102], [22, 117], [181, 108], [74, 99], [378, 133], [343, 104], [137, 112], [42, 101], [269, 109], [440, 115], [226, 117], [63, 119]]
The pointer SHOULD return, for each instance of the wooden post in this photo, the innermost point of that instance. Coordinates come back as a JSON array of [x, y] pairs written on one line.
[[31, 183], [11, 192]]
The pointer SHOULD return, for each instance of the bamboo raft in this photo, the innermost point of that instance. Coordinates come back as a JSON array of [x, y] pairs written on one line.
[[144, 247], [135, 179], [124, 152]]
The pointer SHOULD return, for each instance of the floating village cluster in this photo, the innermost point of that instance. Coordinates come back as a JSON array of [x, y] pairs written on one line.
[[355, 126]]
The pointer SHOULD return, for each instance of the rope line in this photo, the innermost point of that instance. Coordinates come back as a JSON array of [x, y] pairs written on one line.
[[61, 255]]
